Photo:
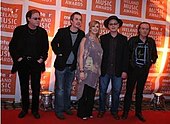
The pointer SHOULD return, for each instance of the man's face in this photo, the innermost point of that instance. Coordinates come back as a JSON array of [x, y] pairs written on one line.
[[113, 25], [76, 22], [35, 19], [144, 30]]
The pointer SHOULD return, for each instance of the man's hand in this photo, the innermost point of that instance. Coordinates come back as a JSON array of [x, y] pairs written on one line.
[[19, 59], [82, 76], [40, 60]]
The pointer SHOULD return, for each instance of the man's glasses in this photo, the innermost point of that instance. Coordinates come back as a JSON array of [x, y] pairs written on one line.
[[36, 18], [113, 24]]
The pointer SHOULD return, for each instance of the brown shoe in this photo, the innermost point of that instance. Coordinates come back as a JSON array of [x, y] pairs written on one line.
[[100, 114]]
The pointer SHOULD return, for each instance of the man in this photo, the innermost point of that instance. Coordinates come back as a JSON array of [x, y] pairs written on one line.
[[142, 54], [114, 65], [65, 45], [29, 50]]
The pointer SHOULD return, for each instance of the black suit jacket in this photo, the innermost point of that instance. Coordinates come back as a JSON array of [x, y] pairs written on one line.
[[62, 47], [121, 55], [17, 45]]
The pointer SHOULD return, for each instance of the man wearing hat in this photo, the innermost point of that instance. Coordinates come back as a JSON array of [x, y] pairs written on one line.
[[114, 65]]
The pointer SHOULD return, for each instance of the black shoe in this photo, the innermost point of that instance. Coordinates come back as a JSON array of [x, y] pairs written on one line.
[[124, 115], [36, 115], [60, 116], [22, 114], [100, 114], [69, 112], [116, 116], [140, 117]]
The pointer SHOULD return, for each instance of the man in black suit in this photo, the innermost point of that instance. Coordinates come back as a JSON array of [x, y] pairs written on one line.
[[114, 65], [65, 45], [29, 50]]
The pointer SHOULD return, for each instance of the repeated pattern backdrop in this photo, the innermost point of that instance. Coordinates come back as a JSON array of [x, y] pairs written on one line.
[[56, 13]]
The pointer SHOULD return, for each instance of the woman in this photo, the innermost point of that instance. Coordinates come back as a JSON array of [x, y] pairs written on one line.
[[89, 61]]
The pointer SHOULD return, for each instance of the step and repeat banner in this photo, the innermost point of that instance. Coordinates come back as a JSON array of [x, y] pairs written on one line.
[[56, 13]]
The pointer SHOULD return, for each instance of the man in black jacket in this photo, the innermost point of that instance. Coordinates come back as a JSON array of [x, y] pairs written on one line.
[[65, 45], [142, 54], [29, 50], [114, 65]]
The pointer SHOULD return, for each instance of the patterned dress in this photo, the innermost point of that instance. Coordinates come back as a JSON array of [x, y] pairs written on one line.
[[91, 62]]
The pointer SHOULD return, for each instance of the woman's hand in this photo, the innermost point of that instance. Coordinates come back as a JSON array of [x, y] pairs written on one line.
[[82, 76], [124, 77]]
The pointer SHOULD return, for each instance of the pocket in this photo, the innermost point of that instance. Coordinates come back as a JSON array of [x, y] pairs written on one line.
[[21, 60], [59, 60], [37, 63], [20, 63]]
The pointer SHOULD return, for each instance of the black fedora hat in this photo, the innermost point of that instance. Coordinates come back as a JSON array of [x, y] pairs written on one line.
[[106, 22]]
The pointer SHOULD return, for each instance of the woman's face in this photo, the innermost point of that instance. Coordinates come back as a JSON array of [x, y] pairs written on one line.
[[95, 28]]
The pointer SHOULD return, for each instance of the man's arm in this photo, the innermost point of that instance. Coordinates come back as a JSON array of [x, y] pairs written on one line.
[[55, 44]]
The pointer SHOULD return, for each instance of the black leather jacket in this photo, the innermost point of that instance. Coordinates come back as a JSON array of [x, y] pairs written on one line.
[[62, 47], [152, 57]]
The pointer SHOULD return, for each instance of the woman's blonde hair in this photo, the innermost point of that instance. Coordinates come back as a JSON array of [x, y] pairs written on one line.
[[93, 23]]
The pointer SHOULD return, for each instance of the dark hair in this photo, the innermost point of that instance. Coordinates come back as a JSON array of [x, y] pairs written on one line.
[[75, 13], [29, 14], [143, 23]]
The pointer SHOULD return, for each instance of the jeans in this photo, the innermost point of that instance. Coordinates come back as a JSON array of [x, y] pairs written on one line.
[[116, 89], [63, 87]]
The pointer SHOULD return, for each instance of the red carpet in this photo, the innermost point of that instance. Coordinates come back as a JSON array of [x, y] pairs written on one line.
[[152, 117]]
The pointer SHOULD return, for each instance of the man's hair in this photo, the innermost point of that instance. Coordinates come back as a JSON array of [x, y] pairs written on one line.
[[144, 23], [30, 12], [75, 13]]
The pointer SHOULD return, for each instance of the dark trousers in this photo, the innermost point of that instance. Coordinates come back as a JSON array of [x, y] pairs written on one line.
[[29, 69], [136, 77], [86, 102]]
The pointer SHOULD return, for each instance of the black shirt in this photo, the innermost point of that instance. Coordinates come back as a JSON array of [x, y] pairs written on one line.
[[30, 41], [112, 56]]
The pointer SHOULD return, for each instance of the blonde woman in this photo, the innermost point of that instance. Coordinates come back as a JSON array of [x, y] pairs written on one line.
[[89, 61]]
